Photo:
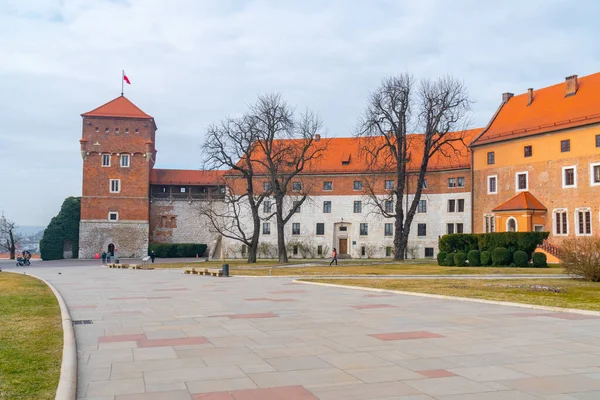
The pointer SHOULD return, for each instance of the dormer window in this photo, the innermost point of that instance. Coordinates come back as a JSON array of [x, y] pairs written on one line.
[[345, 159]]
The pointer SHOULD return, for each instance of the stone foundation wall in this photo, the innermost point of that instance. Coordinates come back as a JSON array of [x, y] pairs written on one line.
[[130, 238]]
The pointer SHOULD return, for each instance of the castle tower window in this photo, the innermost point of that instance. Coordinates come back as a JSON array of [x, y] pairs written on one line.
[[569, 177], [125, 160], [106, 130], [137, 130], [97, 129], [115, 185], [113, 216], [126, 130], [106, 160], [116, 130]]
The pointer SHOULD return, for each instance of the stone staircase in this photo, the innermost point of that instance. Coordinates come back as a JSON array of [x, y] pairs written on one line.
[[552, 252]]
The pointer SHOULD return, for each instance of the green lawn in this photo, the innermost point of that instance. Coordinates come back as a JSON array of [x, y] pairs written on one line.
[[31, 339], [566, 293]]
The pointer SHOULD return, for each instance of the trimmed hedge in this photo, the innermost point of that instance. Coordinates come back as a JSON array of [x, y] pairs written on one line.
[[486, 258], [500, 257], [474, 258], [459, 259], [513, 241], [65, 226], [520, 258], [449, 262], [539, 260], [441, 257], [174, 250]]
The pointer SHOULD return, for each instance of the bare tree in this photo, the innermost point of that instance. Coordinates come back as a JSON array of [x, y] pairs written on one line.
[[231, 144], [287, 146], [8, 237], [439, 109]]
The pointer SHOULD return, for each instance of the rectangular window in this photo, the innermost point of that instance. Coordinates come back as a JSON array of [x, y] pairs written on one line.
[[595, 174], [320, 228], [296, 228], [106, 160], [389, 185], [565, 146], [113, 216], [327, 207], [521, 181], [569, 177], [459, 228], [449, 229], [527, 151], [490, 223], [297, 186], [584, 222], [295, 250], [328, 185], [597, 140], [388, 229], [561, 222], [296, 204], [266, 228], [115, 185], [388, 251], [358, 185], [266, 186], [451, 182], [343, 229], [422, 206], [388, 206], [428, 252], [492, 184], [363, 251], [182, 190], [461, 205], [320, 250], [491, 158], [125, 160], [364, 229], [421, 229], [461, 181], [451, 205], [357, 207], [267, 206]]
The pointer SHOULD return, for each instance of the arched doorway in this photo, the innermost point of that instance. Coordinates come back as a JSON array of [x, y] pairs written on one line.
[[511, 225], [111, 249]]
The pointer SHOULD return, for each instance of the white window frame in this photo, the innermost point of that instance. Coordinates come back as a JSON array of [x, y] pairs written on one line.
[[492, 219], [102, 160], [554, 212], [592, 166], [125, 157], [516, 224], [110, 185], [327, 190], [385, 225], [536, 225], [584, 210], [299, 229], [454, 183], [574, 185], [526, 173], [488, 184], [115, 213], [268, 226], [458, 180]]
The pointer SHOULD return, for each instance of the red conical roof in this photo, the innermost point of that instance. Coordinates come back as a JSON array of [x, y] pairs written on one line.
[[120, 107]]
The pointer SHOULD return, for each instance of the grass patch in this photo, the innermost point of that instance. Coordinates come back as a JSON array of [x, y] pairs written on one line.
[[31, 338], [389, 269], [566, 293]]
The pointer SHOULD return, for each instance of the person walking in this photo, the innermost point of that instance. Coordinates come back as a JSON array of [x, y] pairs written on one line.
[[103, 257], [333, 257], [152, 256]]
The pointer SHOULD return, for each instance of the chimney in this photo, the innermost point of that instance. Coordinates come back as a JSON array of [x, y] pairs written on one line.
[[506, 96], [317, 137], [530, 95], [571, 85]]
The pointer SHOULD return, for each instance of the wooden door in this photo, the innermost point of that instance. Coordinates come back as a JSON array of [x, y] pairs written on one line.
[[343, 246]]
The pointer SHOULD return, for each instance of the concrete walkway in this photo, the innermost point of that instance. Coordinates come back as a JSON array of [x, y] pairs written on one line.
[[165, 335]]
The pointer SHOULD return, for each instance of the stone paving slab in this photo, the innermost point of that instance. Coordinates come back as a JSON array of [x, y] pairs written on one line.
[[165, 335]]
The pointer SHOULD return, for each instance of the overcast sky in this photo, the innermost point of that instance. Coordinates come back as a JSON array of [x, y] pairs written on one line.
[[193, 62]]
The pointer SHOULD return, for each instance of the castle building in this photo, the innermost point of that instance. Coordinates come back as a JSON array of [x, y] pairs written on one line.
[[534, 167]]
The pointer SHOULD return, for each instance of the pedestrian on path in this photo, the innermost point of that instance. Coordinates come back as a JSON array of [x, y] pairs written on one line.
[[333, 257], [103, 257], [152, 256]]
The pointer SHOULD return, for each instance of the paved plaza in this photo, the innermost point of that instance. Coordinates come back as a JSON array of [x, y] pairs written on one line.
[[165, 335]]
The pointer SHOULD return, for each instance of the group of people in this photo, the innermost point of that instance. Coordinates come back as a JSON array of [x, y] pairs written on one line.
[[106, 257]]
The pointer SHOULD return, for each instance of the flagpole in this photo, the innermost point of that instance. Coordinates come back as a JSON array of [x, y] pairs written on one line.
[[122, 80]]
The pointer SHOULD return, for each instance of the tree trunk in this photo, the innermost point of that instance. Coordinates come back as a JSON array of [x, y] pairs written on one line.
[[283, 258], [253, 250], [12, 247]]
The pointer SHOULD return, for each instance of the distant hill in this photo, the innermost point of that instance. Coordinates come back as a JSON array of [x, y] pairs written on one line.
[[29, 230]]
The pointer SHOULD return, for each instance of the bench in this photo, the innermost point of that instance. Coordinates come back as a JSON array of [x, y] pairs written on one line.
[[123, 266], [145, 260], [203, 271], [136, 266]]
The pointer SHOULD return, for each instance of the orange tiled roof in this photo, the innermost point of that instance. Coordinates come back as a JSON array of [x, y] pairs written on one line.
[[549, 111], [186, 177], [522, 201], [120, 107], [343, 155]]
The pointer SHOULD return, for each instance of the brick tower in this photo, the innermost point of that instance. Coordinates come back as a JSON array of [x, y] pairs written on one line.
[[118, 152]]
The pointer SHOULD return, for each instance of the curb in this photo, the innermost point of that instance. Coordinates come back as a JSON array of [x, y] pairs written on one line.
[[466, 299], [67, 383]]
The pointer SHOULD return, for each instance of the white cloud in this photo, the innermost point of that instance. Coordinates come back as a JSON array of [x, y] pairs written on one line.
[[194, 62]]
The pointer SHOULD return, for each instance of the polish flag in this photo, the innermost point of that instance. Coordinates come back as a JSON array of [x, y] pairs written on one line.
[[126, 79]]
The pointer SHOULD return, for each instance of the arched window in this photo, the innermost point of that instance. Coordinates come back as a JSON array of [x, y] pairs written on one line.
[[163, 222], [511, 225]]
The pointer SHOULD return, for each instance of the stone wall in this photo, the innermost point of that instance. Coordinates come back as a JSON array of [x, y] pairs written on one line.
[[130, 238]]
